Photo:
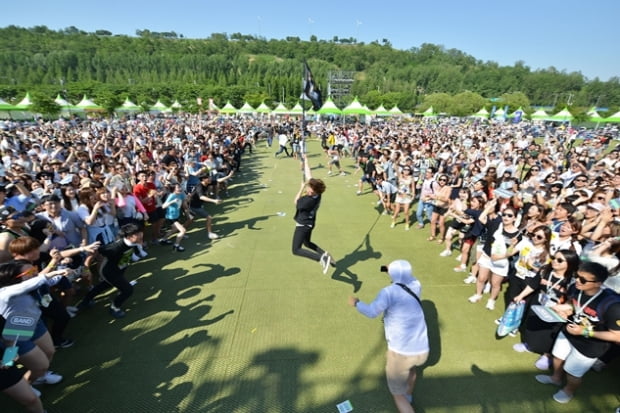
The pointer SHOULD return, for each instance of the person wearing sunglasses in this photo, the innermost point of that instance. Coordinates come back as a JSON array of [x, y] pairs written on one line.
[[441, 201], [548, 288], [493, 264], [593, 314]]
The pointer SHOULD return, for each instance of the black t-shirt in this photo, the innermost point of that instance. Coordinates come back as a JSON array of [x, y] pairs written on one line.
[[117, 256], [194, 198], [601, 314], [492, 227], [307, 207]]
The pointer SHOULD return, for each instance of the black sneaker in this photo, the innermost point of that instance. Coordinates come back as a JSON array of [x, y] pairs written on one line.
[[117, 313], [65, 343], [178, 248], [165, 242]]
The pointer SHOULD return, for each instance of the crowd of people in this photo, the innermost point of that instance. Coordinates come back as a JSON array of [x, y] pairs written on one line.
[[538, 216], [82, 199]]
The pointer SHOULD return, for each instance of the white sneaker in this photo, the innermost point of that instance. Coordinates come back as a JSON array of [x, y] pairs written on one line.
[[213, 235], [490, 304], [48, 378], [520, 348], [134, 258], [460, 268], [470, 279], [474, 298], [458, 257], [445, 253], [487, 288]]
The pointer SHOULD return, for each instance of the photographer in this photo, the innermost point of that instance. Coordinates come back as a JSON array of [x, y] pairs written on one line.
[[405, 330]]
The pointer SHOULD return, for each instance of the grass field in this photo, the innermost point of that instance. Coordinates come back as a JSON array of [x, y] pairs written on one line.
[[241, 325]]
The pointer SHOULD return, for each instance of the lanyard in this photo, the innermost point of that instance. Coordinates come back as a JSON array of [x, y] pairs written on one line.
[[579, 308], [551, 287]]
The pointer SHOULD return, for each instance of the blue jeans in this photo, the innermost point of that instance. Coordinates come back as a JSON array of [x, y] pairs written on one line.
[[424, 207]]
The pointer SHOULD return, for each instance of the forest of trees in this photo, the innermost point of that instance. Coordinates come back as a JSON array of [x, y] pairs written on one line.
[[237, 68]]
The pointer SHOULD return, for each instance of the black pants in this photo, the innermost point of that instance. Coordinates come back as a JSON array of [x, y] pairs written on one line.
[[282, 149], [110, 279], [57, 319], [302, 236]]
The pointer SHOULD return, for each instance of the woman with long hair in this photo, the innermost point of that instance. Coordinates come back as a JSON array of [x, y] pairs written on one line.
[[441, 201], [568, 236], [548, 288], [404, 196], [494, 263], [69, 198], [97, 211]]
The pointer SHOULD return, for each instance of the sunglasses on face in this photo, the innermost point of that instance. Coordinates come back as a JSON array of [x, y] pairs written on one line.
[[537, 236], [508, 215], [584, 280], [559, 260], [443, 180], [581, 180], [535, 169]]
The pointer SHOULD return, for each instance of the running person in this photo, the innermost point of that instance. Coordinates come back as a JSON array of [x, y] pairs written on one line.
[[305, 217], [117, 256]]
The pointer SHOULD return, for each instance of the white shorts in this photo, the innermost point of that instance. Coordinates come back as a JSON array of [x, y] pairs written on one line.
[[485, 262], [575, 363]]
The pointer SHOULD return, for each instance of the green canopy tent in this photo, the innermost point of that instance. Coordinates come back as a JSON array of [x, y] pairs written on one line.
[[263, 108], [381, 111], [499, 114], [176, 105], [396, 112], [593, 116], [159, 107], [22, 109], [429, 113], [66, 108], [540, 115], [329, 108], [615, 118], [228, 109], [86, 105], [298, 110], [128, 107], [355, 108], [482, 114], [280, 109], [562, 116], [516, 112], [246, 109]]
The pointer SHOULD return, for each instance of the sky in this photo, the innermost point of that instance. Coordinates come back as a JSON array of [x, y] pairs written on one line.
[[569, 35]]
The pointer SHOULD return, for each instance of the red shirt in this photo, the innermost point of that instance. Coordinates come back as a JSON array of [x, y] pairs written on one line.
[[142, 192]]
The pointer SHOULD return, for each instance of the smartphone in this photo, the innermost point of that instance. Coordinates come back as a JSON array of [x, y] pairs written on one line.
[[10, 353], [614, 203]]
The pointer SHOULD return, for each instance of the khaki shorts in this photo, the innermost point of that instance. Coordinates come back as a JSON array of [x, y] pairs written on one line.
[[397, 369]]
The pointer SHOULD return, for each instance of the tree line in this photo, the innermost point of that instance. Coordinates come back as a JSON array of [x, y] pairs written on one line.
[[238, 68]]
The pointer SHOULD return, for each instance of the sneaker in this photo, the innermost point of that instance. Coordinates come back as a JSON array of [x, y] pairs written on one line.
[[329, 172], [213, 235], [543, 363], [562, 397], [487, 288], [513, 333], [460, 268], [326, 261], [36, 392], [48, 378], [407, 227], [65, 343], [343, 173], [544, 379], [474, 298], [358, 193], [72, 310], [490, 304], [445, 253], [117, 312], [164, 241], [143, 254], [470, 279], [134, 258], [458, 257], [393, 224], [178, 248], [332, 261], [520, 348], [498, 321]]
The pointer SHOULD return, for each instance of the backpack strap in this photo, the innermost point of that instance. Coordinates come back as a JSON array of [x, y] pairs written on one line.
[[404, 287]]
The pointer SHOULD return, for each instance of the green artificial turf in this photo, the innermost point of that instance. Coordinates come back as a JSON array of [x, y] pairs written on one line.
[[242, 325]]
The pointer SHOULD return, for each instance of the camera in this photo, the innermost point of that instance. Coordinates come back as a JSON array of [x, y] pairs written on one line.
[[383, 268]]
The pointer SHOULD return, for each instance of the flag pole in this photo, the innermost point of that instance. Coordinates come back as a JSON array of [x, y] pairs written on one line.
[[303, 129]]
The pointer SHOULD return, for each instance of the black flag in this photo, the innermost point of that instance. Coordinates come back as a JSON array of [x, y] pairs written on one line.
[[311, 90]]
